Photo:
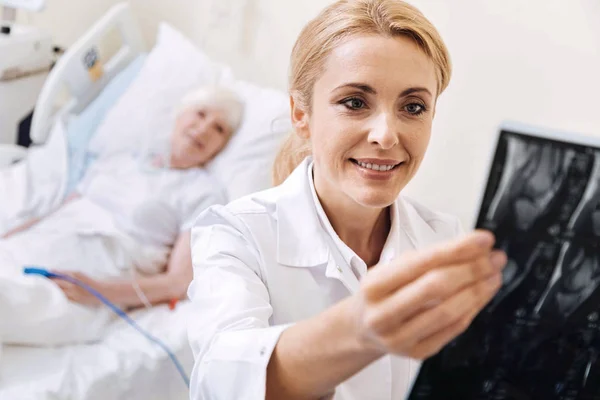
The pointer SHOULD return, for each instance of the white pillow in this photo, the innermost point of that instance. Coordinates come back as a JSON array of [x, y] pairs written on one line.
[[173, 68], [245, 165], [146, 110]]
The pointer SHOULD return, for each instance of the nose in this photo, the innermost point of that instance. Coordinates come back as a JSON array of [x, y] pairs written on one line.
[[207, 127], [201, 128], [385, 131]]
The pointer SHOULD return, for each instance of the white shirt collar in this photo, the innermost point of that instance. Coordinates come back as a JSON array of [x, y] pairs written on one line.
[[301, 239], [391, 248]]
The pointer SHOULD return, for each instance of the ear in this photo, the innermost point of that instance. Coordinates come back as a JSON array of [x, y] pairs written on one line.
[[299, 119]]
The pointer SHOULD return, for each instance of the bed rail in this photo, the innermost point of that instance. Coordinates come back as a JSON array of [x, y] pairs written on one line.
[[81, 73]]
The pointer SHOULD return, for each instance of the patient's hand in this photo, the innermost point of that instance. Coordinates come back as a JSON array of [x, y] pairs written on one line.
[[80, 295]]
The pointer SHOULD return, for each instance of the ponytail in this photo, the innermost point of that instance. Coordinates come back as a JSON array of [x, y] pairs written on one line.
[[293, 151]]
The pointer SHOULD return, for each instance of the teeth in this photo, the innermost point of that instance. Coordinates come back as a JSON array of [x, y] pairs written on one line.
[[375, 167]]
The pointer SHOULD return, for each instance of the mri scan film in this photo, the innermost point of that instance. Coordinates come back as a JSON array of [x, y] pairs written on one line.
[[539, 338]]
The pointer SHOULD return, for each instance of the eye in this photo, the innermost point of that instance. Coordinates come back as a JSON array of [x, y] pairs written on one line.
[[220, 129], [201, 114], [415, 108], [354, 103]]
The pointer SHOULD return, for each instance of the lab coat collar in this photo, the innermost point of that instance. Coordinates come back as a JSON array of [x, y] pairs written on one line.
[[417, 230], [302, 240], [300, 237], [305, 237]]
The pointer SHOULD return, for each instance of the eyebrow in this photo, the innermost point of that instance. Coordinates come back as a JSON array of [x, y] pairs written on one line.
[[360, 86], [368, 89]]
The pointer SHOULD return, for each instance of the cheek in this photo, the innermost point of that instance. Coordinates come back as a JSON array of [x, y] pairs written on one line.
[[187, 122], [215, 143], [417, 142], [332, 134], [322, 143], [179, 141]]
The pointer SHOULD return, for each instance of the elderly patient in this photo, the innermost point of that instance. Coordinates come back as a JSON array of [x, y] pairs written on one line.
[[125, 232]]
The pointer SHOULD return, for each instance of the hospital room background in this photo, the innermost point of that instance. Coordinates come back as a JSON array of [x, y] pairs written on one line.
[[530, 61], [534, 62]]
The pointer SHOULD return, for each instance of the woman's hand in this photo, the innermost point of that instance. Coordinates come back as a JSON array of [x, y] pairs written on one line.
[[78, 294], [417, 304]]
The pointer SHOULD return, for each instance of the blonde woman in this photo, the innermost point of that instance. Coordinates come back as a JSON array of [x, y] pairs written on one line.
[[333, 284]]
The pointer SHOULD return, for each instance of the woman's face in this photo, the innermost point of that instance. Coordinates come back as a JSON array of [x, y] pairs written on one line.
[[370, 120], [199, 135]]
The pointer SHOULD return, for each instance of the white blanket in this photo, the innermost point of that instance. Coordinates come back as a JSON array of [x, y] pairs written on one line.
[[79, 237], [123, 366], [35, 185]]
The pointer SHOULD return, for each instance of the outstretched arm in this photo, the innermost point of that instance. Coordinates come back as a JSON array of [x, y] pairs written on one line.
[[33, 221], [161, 288]]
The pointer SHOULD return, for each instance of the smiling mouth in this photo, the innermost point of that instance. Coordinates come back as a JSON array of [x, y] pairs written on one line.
[[376, 167], [195, 142]]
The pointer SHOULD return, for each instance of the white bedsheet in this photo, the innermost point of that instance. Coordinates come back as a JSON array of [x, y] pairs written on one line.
[[36, 184], [125, 365]]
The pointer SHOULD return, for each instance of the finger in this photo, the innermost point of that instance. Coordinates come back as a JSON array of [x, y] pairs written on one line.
[[464, 304], [71, 291], [433, 344], [460, 250], [431, 289], [78, 275], [73, 275], [385, 279], [76, 298], [62, 284], [75, 293], [83, 278]]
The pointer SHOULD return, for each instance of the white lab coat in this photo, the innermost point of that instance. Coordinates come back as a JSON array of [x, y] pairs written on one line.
[[270, 259]]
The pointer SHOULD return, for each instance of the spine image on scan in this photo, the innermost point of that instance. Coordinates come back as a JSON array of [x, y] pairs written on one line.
[[539, 337]]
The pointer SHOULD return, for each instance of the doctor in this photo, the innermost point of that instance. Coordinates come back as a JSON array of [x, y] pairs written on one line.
[[332, 284]]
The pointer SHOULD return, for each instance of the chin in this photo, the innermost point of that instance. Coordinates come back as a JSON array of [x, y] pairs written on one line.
[[375, 197]]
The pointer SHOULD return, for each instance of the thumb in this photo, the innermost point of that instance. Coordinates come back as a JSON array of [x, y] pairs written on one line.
[[387, 278], [463, 249]]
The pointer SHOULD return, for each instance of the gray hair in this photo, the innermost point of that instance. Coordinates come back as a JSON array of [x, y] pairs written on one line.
[[217, 97]]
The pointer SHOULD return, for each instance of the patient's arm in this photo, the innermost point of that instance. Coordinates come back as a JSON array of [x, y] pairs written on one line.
[[161, 288], [33, 221], [23, 227]]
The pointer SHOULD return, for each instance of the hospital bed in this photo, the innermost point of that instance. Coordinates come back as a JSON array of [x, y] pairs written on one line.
[[73, 75], [124, 365]]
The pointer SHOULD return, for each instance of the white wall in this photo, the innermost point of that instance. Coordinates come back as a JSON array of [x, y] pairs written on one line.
[[67, 19], [534, 61], [255, 36]]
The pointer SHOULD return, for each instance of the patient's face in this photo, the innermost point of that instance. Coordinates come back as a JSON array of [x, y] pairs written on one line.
[[199, 135], [371, 119]]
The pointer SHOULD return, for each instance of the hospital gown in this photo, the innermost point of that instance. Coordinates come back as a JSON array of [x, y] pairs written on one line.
[[130, 213]]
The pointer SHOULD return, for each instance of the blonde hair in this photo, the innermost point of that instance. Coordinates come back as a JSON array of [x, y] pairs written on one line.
[[339, 21]]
